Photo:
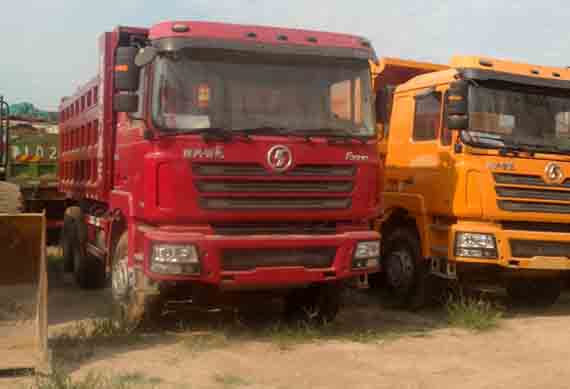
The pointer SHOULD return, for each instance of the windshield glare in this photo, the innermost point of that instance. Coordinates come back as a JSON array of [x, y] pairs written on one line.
[[501, 117], [245, 92]]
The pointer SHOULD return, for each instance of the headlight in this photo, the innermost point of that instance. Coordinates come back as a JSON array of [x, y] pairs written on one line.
[[175, 259], [367, 250], [366, 255], [475, 245]]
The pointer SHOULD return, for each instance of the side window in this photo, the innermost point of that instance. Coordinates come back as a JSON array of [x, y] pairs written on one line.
[[427, 117], [341, 106], [141, 93]]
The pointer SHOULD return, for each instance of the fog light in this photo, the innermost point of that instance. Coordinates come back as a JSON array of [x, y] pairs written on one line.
[[475, 245]]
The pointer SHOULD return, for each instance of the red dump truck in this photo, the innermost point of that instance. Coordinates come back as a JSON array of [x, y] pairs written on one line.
[[208, 160]]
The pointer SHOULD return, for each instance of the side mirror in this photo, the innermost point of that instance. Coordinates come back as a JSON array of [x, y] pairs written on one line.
[[145, 56], [125, 103], [457, 107], [126, 72]]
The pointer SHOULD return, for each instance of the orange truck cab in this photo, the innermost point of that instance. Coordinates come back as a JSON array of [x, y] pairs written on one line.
[[477, 176]]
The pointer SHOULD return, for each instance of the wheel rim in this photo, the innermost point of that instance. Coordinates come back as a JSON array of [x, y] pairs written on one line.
[[400, 269], [120, 280]]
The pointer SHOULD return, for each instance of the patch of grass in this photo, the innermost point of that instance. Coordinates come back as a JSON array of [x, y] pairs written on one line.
[[54, 259], [61, 380], [80, 340], [230, 380], [201, 342], [473, 313]]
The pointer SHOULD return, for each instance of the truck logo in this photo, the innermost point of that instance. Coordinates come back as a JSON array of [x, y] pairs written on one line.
[[350, 156], [553, 173], [279, 158], [205, 153], [501, 166]]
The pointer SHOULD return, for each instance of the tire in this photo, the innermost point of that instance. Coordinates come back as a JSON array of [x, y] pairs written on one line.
[[317, 304], [88, 271], [133, 308], [539, 293], [406, 274]]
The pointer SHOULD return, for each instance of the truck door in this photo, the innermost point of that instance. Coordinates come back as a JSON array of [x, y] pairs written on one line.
[[419, 156]]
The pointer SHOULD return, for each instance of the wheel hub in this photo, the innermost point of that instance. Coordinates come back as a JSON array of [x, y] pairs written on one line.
[[120, 279], [400, 269]]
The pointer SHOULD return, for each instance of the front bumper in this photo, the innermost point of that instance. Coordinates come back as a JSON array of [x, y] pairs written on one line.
[[211, 249], [505, 239]]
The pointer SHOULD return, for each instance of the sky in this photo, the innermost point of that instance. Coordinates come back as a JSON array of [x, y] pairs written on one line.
[[49, 47]]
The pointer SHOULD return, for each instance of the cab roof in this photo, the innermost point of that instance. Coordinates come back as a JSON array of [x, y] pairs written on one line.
[[258, 34]]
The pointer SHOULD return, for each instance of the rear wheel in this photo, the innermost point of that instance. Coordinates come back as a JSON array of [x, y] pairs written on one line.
[[406, 274], [88, 271], [318, 304], [132, 306], [541, 292]]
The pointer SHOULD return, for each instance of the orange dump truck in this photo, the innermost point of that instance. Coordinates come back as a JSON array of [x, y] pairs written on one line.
[[477, 176]]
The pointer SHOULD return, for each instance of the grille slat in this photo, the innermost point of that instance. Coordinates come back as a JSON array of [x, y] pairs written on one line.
[[249, 259], [262, 203], [538, 248], [218, 169], [522, 193], [529, 180], [536, 227], [515, 206], [274, 186], [272, 228]]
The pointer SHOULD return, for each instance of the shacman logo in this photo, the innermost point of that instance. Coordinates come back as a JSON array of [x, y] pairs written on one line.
[[279, 158], [553, 173]]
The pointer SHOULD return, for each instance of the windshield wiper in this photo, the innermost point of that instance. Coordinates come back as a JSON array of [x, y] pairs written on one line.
[[269, 130], [208, 134], [336, 133], [512, 143]]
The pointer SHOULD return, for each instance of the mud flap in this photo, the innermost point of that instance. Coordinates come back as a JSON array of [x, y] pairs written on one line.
[[23, 293]]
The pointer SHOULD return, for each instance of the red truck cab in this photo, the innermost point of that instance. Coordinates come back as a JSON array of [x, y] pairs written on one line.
[[210, 158]]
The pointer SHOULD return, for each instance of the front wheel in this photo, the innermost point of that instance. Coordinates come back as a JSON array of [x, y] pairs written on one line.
[[134, 308], [406, 275], [542, 292]]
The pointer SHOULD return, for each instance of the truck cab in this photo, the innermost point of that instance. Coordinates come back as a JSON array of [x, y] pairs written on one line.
[[477, 158], [210, 158]]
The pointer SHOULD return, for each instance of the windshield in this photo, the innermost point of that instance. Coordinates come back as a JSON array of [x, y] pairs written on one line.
[[196, 90], [518, 119]]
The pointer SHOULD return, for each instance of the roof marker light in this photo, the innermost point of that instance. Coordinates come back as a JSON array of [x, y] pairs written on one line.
[[282, 37], [484, 62], [535, 71], [251, 35], [179, 27], [312, 39], [555, 74]]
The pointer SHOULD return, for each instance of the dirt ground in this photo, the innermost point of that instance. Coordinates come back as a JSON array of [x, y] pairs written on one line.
[[372, 347]]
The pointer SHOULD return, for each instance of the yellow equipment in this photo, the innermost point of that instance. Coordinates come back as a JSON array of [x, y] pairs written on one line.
[[23, 292]]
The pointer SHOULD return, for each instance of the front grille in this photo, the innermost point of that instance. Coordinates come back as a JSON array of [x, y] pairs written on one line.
[[533, 193], [536, 227], [229, 186], [515, 206], [530, 180], [264, 203], [538, 248], [274, 186], [249, 259], [275, 228], [223, 169]]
